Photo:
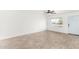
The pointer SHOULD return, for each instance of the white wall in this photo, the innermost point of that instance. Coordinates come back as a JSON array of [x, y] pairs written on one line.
[[65, 16], [14, 23]]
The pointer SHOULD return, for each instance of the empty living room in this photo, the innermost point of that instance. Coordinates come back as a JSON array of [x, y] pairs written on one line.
[[39, 29]]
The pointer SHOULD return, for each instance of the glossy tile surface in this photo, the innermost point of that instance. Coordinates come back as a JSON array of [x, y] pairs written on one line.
[[42, 40]]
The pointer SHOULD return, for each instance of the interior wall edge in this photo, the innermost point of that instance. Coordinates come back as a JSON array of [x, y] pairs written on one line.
[[7, 37]]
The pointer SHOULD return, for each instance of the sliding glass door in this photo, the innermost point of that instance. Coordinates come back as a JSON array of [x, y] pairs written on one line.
[[73, 24]]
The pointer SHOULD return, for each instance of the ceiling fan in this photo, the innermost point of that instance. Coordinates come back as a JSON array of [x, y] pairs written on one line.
[[50, 12]]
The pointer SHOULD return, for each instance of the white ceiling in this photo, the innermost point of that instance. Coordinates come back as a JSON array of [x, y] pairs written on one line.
[[66, 11]]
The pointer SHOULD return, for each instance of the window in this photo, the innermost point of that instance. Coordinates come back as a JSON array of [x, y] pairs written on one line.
[[57, 20]]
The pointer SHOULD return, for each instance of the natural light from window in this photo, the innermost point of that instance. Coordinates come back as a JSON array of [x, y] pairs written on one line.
[[57, 21]]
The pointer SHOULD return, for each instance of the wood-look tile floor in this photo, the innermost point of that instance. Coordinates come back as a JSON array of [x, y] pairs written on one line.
[[42, 40]]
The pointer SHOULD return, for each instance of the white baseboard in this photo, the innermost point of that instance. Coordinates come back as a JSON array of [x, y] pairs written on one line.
[[7, 37]]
